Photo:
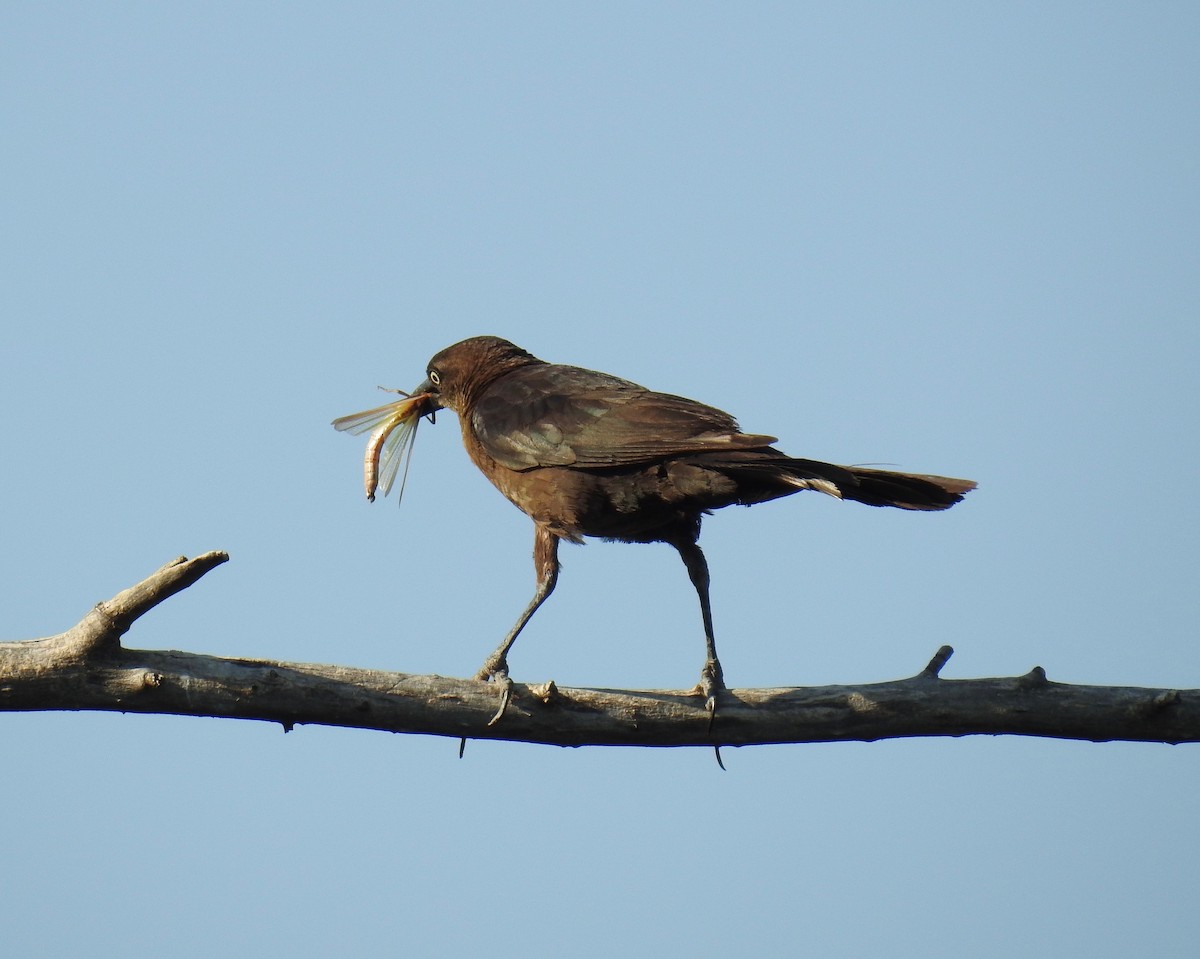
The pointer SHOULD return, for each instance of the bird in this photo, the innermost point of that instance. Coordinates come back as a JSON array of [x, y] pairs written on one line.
[[587, 454]]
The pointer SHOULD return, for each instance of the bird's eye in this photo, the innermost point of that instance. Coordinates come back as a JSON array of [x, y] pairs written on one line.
[[435, 377]]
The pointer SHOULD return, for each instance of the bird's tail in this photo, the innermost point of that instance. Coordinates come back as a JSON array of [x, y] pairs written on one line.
[[904, 490], [763, 475], [874, 487]]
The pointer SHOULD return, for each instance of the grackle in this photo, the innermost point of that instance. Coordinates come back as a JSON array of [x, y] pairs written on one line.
[[584, 453]]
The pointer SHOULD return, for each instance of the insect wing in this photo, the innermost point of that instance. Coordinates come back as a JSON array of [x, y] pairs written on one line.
[[393, 427], [374, 448], [357, 423], [398, 443]]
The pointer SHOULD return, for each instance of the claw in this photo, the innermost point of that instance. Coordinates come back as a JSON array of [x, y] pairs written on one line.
[[495, 669], [505, 696], [712, 684]]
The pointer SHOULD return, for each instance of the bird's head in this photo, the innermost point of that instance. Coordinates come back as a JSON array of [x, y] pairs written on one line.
[[459, 373]]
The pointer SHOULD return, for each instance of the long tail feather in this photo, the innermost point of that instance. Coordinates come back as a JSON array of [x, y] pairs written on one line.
[[905, 490]]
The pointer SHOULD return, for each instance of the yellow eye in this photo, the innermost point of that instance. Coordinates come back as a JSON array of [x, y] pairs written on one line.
[[435, 377]]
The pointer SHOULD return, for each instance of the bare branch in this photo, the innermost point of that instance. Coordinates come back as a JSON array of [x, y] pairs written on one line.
[[87, 668], [109, 621]]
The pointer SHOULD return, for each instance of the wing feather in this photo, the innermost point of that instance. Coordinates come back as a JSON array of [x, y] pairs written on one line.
[[549, 415]]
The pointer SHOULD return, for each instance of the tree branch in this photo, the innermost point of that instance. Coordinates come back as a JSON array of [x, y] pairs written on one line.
[[86, 667]]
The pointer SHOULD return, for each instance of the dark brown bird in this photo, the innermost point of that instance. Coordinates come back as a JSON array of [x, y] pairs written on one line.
[[587, 454]]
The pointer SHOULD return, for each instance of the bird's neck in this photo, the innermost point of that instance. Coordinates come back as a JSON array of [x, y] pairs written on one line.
[[485, 374]]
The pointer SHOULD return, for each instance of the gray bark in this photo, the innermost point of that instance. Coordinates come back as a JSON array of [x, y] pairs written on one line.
[[87, 668]]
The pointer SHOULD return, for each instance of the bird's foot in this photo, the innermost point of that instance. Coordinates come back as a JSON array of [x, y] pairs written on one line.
[[495, 669], [712, 684], [495, 665]]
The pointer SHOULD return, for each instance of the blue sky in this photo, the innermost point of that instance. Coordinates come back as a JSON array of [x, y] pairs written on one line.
[[949, 237]]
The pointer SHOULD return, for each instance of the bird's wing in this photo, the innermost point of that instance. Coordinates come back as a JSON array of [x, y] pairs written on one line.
[[549, 415]]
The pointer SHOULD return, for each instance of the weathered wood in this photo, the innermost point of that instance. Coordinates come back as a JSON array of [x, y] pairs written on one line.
[[87, 668]]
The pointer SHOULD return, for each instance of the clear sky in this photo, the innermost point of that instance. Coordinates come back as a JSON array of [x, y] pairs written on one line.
[[958, 238]]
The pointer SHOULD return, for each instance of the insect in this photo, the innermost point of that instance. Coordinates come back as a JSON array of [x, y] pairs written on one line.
[[395, 429]]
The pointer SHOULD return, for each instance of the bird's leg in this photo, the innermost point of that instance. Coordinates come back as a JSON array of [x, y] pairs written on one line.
[[712, 681], [545, 562]]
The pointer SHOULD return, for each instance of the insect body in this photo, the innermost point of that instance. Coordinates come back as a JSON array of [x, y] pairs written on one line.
[[395, 428]]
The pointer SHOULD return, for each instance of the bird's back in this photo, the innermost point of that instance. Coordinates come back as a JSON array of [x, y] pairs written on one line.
[[551, 415], [584, 453]]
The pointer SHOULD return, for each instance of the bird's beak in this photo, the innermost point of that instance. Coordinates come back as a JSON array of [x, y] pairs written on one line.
[[432, 400]]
